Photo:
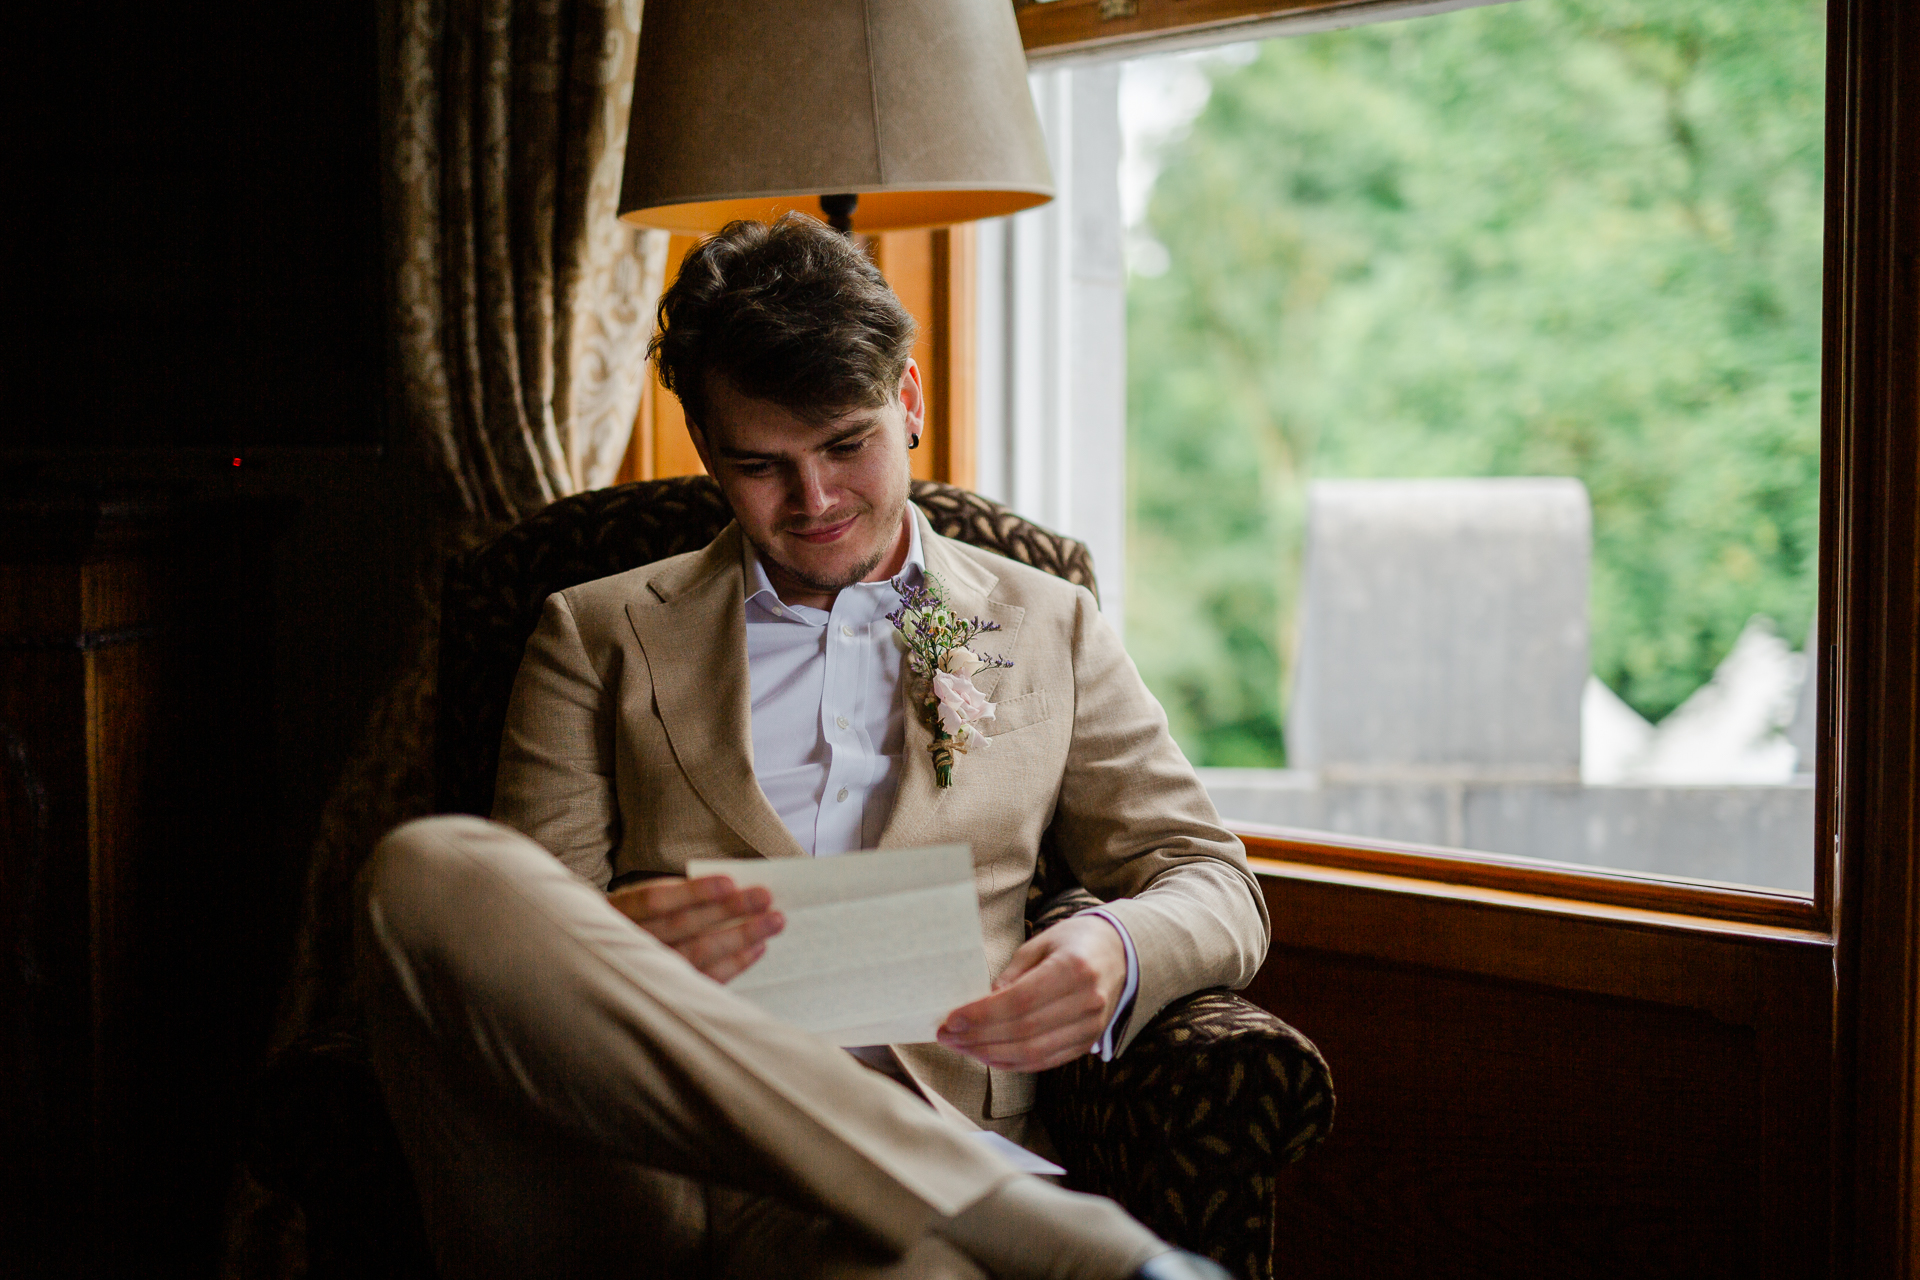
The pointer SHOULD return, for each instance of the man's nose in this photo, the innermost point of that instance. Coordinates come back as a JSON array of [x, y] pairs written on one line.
[[810, 490]]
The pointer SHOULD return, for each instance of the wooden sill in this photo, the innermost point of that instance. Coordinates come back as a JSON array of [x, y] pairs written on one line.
[[1660, 897]]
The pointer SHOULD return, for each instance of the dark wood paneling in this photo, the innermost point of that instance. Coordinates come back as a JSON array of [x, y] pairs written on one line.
[[1539, 1087], [1492, 1130], [1871, 544], [46, 1082], [144, 919]]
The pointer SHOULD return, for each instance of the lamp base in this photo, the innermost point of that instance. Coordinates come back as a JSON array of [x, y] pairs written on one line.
[[839, 210]]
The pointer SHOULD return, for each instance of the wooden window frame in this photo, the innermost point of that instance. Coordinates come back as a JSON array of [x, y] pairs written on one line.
[[1080, 28], [1865, 910], [1056, 29], [1504, 873]]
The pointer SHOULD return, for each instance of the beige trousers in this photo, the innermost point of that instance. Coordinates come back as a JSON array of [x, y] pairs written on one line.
[[577, 1100]]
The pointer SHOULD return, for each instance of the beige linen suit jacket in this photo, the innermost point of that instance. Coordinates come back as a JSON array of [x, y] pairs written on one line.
[[628, 747]]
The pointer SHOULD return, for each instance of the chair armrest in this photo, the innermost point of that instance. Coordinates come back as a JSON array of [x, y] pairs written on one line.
[[1190, 1127], [1070, 901]]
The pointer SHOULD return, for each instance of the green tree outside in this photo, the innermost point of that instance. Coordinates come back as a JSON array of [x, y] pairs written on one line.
[[1553, 237]]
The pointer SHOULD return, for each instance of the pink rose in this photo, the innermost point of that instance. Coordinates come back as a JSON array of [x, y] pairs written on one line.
[[970, 737], [960, 703], [961, 661]]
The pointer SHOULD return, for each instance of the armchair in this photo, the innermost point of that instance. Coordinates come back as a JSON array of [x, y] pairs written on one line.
[[1188, 1130]]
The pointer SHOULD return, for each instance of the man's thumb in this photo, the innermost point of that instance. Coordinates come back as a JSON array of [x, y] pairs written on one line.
[[1027, 957]]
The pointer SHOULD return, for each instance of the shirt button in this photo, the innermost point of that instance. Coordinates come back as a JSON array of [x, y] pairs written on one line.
[[842, 721], [842, 795], [846, 629]]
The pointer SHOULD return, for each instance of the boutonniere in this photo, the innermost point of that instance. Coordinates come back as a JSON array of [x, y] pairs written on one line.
[[938, 651]]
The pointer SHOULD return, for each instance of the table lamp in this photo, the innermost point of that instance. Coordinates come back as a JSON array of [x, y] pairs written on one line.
[[878, 115]]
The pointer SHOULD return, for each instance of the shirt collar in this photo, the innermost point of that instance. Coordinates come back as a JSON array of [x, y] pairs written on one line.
[[760, 586]]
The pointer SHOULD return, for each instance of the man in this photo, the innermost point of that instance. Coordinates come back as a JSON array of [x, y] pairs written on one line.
[[577, 1093]]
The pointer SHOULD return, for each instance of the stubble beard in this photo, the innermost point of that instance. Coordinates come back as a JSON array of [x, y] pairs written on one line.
[[857, 574], [839, 583]]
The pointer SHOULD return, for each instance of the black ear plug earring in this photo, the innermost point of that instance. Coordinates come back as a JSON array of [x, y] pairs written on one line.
[[914, 443]]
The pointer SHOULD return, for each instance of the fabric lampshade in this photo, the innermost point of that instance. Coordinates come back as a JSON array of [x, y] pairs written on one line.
[[748, 108]]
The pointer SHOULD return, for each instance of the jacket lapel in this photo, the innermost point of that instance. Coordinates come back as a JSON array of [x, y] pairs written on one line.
[[918, 810], [691, 625]]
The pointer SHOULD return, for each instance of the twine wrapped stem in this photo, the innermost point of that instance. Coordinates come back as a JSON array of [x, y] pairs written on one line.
[[942, 751]]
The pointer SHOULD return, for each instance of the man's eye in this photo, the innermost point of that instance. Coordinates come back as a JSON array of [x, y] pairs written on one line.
[[753, 469], [847, 448]]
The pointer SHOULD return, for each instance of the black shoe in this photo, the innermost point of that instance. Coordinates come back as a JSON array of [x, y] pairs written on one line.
[[1181, 1265]]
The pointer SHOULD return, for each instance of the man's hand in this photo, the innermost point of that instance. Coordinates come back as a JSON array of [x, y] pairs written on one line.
[[1050, 1004], [718, 928]]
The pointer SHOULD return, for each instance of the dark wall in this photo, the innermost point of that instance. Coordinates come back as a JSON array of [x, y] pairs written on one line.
[[193, 274], [203, 192], [199, 278]]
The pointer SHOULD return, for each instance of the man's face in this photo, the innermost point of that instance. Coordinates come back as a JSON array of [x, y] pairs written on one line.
[[825, 504]]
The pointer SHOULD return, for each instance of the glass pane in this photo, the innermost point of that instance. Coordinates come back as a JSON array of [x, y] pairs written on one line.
[[1473, 432]]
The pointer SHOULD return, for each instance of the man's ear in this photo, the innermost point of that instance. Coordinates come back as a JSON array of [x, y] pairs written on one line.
[[913, 398]]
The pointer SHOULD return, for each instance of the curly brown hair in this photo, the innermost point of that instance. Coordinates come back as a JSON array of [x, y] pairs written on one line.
[[791, 312]]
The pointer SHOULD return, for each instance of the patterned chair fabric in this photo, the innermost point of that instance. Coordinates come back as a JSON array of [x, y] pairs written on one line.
[[1189, 1130]]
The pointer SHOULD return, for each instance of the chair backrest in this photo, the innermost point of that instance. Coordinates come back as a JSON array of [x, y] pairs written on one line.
[[492, 595]]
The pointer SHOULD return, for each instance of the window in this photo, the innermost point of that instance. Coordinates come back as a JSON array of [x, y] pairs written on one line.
[[1473, 428], [1822, 989]]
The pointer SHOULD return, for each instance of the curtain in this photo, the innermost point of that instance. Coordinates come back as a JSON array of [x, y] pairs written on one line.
[[521, 304], [520, 312]]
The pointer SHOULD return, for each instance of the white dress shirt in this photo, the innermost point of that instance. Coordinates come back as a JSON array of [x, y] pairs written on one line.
[[828, 725]]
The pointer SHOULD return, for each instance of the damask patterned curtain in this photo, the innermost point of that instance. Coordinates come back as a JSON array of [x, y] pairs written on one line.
[[522, 306], [521, 313]]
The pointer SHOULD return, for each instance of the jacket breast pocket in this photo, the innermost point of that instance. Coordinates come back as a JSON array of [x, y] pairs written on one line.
[[1017, 713]]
